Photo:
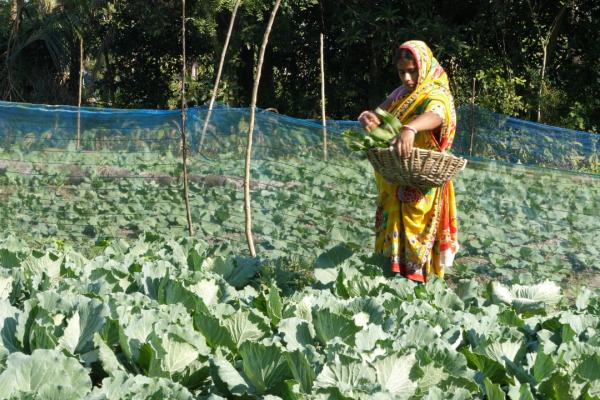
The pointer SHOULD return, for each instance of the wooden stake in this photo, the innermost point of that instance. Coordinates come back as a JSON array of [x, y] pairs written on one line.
[[80, 91], [472, 118], [261, 56], [219, 71], [541, 88], [323, 101], [183, 132]]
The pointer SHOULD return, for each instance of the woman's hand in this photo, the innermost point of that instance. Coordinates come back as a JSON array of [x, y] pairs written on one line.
[[369, 120], [404, 141]]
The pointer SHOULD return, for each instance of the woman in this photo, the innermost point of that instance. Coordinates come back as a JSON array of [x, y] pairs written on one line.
[[418, 231]]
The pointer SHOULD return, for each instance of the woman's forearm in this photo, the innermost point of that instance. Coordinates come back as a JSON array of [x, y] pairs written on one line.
[[404, 142], [426, 122]]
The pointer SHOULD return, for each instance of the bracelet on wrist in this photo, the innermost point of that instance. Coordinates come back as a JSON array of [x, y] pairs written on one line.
[[410, 128]]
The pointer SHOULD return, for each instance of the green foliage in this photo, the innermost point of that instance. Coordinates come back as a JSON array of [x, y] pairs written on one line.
[[133, 54], [498, 90], [394, 339]]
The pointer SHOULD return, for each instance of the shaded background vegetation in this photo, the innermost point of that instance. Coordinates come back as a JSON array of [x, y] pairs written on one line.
[[534, 59]]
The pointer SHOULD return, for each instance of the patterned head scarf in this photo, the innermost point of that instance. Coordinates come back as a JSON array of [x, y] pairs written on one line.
[[433, 84]]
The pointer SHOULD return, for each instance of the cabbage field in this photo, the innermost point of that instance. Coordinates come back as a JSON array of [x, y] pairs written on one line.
[[516, 223], [103, 295], [181, 319]]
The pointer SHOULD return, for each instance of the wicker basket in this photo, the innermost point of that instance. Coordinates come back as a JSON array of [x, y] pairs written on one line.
[[424, 168]]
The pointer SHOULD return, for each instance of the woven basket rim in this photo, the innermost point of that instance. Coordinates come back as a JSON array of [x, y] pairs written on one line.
[[424, 167]]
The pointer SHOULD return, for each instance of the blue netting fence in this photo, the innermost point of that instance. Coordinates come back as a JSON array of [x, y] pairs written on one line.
[[528, 201]]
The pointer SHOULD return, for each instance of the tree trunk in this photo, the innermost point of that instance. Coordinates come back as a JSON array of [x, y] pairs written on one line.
[[72, 82], [374, 94], [246, 74], [267, 83], [548, 44], [110, 75], [16, 8], [14, 11]]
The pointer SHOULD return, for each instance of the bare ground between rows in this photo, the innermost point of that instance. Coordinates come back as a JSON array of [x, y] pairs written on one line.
[[76, 175]]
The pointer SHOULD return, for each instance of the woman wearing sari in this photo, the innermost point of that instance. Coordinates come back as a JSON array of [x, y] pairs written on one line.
[[417, 230]]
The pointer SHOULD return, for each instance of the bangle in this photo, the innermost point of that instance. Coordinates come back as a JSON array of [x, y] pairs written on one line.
[[410, 128]]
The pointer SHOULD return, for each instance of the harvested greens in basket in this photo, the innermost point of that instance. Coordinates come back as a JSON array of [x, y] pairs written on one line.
[[423, 168], [378, 137]]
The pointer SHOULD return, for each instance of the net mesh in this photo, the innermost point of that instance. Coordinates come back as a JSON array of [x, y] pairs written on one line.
[[489, 135], [527, 202]]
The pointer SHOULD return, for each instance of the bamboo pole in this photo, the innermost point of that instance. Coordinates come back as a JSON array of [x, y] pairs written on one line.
[[472, 118], [219, 71], [541, 88], [183, 132], [261, 56], [323, 101], [80, 91]]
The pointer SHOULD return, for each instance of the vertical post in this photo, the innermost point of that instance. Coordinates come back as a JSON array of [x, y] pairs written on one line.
[[261, 57], [219, 71], [323, 101], [472, 118], [184, 146], [80, 91], [542, 73]]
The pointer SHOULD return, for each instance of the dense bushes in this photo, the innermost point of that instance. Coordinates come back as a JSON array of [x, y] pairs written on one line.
[[133, 53]]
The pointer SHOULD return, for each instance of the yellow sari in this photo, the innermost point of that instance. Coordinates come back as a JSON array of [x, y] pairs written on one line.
[[418, 231]]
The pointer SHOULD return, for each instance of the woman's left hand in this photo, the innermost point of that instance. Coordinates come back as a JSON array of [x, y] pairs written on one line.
[[404, 142], [369, 120]]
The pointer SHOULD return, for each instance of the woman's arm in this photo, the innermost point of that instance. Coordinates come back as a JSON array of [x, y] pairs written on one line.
[[369, 120], [405, 140]]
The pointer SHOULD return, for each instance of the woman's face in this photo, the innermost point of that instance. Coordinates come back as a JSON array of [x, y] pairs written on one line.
[[408, 72]]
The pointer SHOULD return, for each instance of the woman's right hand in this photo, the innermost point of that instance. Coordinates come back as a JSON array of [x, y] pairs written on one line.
[[369, 120]]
